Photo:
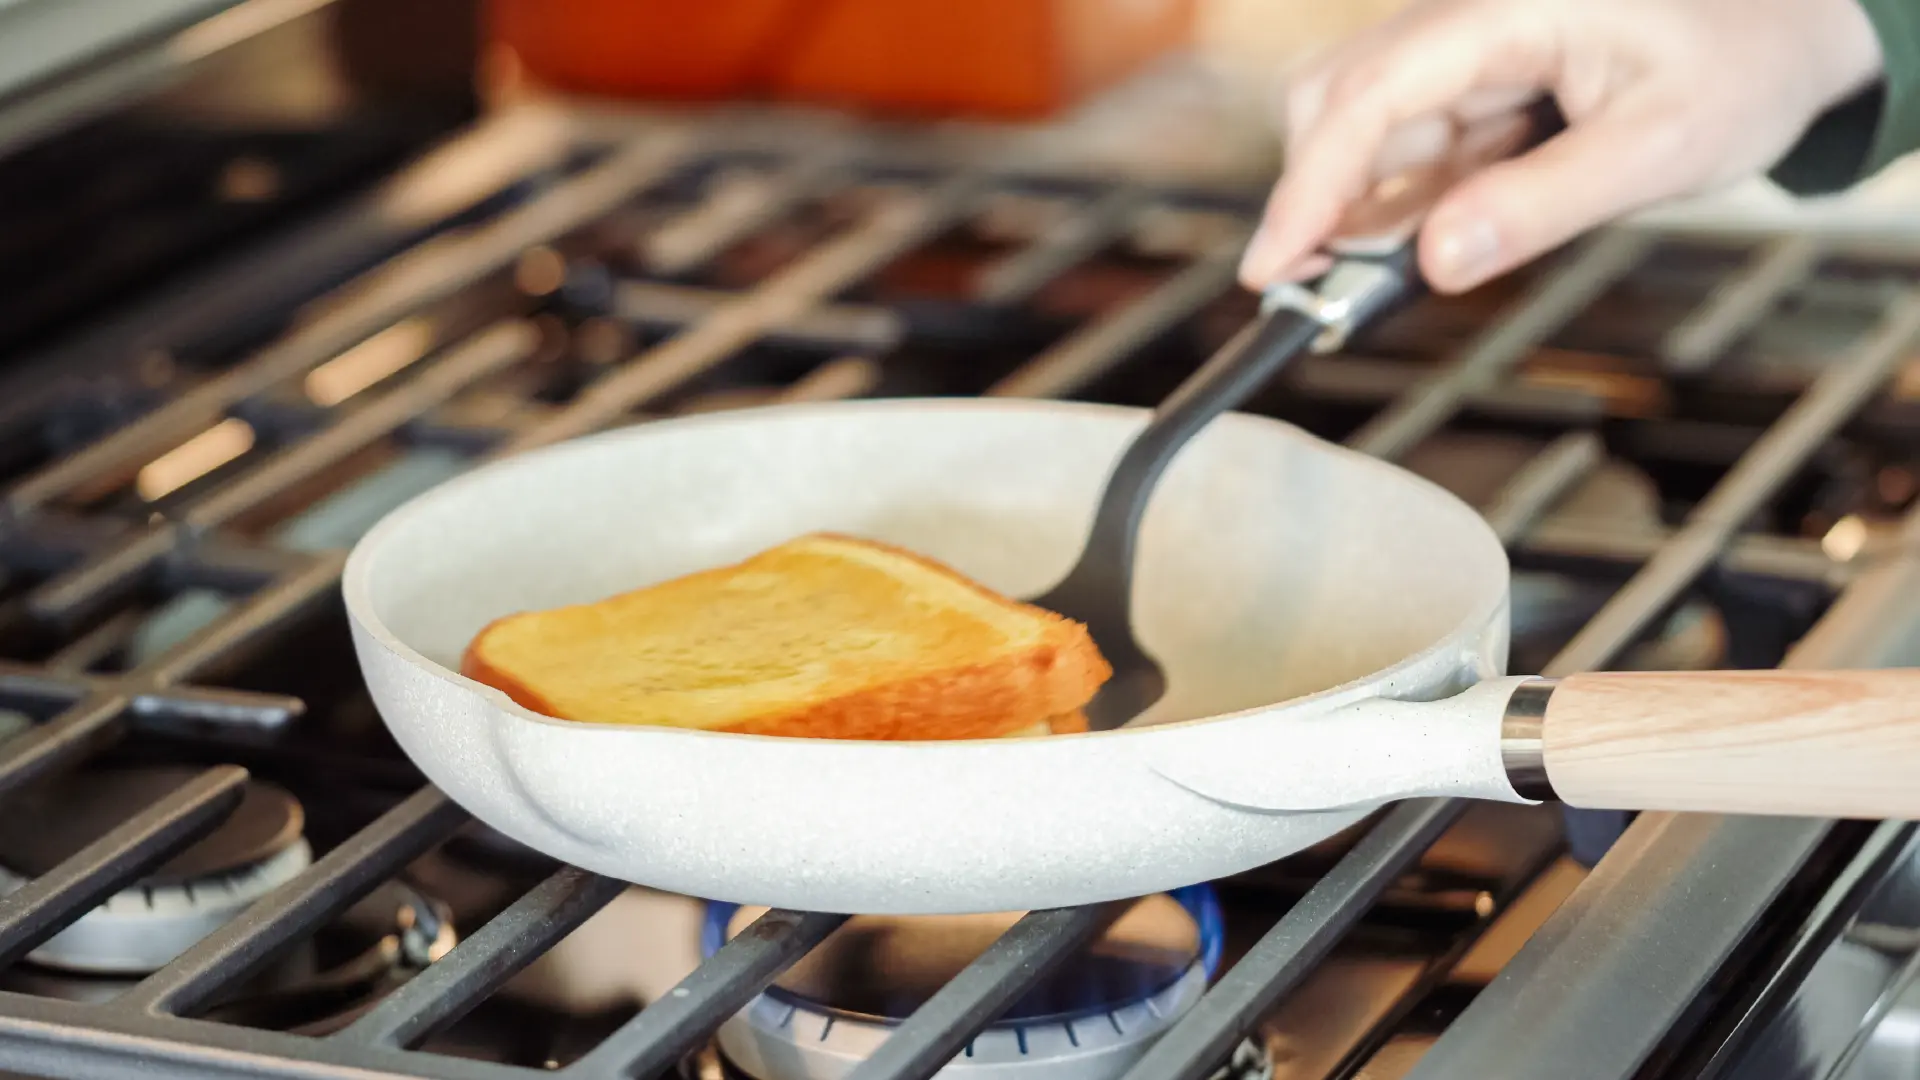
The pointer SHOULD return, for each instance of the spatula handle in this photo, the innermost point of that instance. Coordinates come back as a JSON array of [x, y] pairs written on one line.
[[1373, 264], [1811, 743]]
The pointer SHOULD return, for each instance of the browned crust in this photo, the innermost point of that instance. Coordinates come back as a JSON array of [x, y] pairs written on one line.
[[475, 666], [1049, 682], [1073, 723]]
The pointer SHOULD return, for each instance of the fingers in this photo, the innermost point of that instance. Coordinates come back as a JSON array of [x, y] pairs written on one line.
[[1628, 156], [1387, 97], [1658, 96]]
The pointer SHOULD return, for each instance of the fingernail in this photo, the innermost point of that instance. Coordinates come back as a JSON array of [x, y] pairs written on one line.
[[1467, 253], [1256, 266]]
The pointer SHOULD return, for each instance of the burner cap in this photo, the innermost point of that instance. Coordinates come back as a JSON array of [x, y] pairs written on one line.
[[55, 818], [141, 927]]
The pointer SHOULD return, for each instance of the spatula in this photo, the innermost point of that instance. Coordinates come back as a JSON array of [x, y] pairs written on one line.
[[1374, 268], [1098, 590]]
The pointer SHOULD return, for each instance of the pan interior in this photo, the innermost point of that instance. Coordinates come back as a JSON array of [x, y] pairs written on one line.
[[1271, 565]]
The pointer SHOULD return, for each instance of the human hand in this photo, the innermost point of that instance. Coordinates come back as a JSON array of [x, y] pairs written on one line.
[[1662, 98]]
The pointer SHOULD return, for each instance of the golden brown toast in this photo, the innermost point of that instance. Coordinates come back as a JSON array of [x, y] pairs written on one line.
[[825, 637]]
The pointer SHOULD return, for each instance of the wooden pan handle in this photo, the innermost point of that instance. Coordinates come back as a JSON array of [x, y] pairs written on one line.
[[1808, 743]]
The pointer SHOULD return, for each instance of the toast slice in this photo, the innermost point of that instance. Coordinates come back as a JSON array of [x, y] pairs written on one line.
[[825, 636]]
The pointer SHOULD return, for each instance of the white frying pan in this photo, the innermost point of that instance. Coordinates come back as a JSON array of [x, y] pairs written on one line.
[[1273, 568]]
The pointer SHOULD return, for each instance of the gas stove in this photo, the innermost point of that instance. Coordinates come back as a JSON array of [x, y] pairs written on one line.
[[1699, 437]]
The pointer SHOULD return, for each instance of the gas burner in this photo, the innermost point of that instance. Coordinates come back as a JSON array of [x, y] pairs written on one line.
[[137, 930], [1091, 1019], [318, 987]]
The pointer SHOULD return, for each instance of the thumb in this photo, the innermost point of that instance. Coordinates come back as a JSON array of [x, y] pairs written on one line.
[[1616, 161]]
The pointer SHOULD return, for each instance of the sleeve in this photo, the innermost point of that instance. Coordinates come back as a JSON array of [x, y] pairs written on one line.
[[1860, 136]]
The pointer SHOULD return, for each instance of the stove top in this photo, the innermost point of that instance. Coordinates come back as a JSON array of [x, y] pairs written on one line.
[[1698, 441]]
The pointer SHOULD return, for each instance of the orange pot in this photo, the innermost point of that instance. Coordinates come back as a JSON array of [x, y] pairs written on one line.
[[1015, 58], [647, 48]]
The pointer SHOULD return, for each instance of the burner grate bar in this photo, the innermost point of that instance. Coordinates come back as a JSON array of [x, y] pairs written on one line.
[[76, 732], [93, 706], [1369, 381], [323, 890], [111, 575], [1763, 556], [1771, 462], [1422, 408], [453, 182], [669, 1028], [384, 297], [24, 686], [213, 705], [1105, 343], [1544, 481], [840, 379], [869, 328], [52, 541], [87, 587], [30, 688], [94, 646], [246, 626], [445, 991], [1060, 247], [50, 903], [1739, 302], [487, 353], [690, 240], [1288, 952], [49, 1037], [925, 1042], [815, 278]]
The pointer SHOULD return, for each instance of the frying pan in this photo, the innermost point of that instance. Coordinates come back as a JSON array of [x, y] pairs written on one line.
[[1370, 605]]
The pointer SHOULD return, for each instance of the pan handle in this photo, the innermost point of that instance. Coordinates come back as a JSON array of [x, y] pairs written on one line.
[[1339, 755], [1840, 744]]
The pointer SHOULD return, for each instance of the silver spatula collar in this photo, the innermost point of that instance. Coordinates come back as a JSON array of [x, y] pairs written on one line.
[[1523, 740], [1350, 293]]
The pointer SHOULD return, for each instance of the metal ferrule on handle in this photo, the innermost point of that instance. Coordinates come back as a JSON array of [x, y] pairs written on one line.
[[1827, 744], [1344, 298], [1523, 748]]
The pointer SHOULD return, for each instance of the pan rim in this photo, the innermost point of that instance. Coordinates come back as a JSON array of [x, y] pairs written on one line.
[[362, 612]]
